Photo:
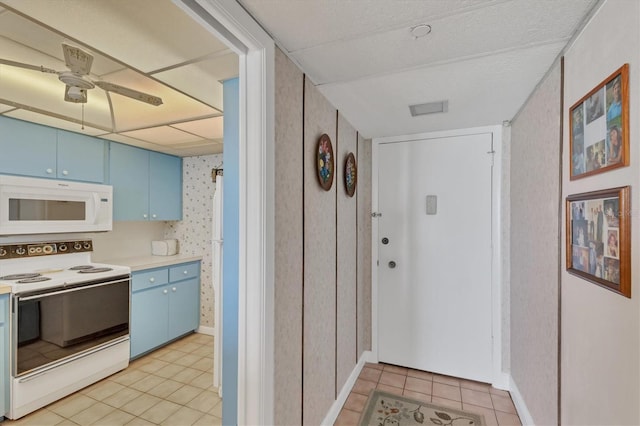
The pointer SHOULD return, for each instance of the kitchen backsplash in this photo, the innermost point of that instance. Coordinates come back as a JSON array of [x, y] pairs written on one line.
[[194, 232], [127, 239]]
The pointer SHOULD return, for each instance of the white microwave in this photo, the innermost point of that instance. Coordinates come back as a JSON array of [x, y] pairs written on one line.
[[44, 206]]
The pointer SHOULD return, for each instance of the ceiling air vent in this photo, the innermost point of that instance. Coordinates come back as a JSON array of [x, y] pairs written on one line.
[[429, 108]]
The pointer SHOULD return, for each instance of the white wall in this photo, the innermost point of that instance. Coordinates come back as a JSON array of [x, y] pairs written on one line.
[[127, 239], [600, 347]]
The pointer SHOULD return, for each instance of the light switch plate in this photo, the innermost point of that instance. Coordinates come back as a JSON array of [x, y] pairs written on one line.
[[432, 204]]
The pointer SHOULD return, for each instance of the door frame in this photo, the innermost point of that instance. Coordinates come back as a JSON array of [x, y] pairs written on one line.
[[227, 20], [499, 316]]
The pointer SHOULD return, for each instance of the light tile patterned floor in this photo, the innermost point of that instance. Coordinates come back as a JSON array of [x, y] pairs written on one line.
[[172, 386], [495, 405]]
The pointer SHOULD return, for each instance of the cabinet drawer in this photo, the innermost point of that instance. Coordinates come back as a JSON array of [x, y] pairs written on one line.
[[184, 271], [152, 278]]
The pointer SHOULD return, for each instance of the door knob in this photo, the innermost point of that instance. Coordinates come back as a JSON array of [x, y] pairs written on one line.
[[392, 264], [385, 240]]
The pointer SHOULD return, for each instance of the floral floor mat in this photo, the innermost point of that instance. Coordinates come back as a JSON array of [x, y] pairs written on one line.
[[384, 409]]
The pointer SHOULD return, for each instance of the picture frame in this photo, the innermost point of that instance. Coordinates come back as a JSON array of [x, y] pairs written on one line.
[[598, 238], [350, 174], [599, 127], [324, 162]]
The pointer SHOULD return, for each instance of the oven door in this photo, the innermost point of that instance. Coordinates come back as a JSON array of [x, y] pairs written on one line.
[[54, 324]]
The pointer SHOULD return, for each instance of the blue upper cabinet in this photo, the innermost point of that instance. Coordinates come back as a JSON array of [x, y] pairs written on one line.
[[129, 174], [34, 150], [27, 149], [147, 185], [81, 157], [165, 187]]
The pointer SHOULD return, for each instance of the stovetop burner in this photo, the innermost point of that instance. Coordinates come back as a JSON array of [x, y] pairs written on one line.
[[33, 280], [20, 276], [94, 270], [81, 267]]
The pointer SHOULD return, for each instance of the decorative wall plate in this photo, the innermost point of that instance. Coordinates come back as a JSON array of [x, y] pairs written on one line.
[[350, 174], [324, 162]]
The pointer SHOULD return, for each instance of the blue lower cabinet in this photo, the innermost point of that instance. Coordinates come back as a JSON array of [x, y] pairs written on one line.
[[165, 304]]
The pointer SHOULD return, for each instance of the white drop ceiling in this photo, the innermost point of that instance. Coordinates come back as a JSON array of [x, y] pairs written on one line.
[[148, 45], [484, 56]]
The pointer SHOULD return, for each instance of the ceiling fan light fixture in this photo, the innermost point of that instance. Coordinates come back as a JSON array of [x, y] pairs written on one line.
[[75, 93]]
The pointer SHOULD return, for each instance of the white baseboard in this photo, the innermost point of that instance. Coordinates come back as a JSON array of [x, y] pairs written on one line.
[[502, 381], [206, 330], [334, 411], [521, 406]]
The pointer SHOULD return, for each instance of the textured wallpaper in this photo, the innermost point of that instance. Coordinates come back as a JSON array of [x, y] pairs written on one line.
[[194, 231], [363, 194], [535, 256], [288, 243], [319, 348], [347, 238]]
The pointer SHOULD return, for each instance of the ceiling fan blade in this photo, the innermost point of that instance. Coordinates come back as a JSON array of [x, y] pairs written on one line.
[[77, 60], [28, 66], [75, 94], [125, 91]]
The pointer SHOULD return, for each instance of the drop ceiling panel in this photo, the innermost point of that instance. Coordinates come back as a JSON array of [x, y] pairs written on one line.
[[210, 128], [132, 114], [117, 137], [481, 91], [303, 24], [202, 150], [142, 26], [54, 122], [498, 28], [163, 135]]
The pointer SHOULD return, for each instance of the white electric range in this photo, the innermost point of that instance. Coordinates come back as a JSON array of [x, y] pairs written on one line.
[[69, 320]]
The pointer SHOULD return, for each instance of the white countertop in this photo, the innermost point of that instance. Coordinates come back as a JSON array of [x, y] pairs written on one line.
[[148, 262]]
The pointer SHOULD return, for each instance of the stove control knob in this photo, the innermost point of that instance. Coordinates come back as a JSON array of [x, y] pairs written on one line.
[[3, 252], [77, 245], [20, 251], [62, 247]]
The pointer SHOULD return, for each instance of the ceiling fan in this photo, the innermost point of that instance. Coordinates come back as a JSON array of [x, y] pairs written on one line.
[[79, 63]]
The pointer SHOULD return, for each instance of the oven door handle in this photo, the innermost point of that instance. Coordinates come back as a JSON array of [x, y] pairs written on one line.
[[69, 290], [37, 374]]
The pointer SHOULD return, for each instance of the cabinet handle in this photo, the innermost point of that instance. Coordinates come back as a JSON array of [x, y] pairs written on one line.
[[154, 216], [152, 279], [185, 272], [144, 215], [49, 171], [65, 172], [165, 291], [173, 289]]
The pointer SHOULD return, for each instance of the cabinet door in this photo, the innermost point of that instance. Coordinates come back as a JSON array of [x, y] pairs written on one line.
[[165, 187], [149, 319], [129, 176], [27, 148], [81, 157], [184, 307]]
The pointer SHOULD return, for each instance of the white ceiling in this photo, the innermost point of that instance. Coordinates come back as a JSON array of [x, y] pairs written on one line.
[[484, 56], [147, 45]]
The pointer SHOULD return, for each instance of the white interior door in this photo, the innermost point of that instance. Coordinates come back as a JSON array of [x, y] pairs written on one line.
[[434, 272]]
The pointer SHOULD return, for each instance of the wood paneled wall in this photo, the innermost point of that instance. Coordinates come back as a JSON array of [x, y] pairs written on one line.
[[323, 253]]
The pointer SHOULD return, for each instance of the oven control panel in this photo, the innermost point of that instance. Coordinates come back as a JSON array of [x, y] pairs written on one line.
[[16, 251]]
